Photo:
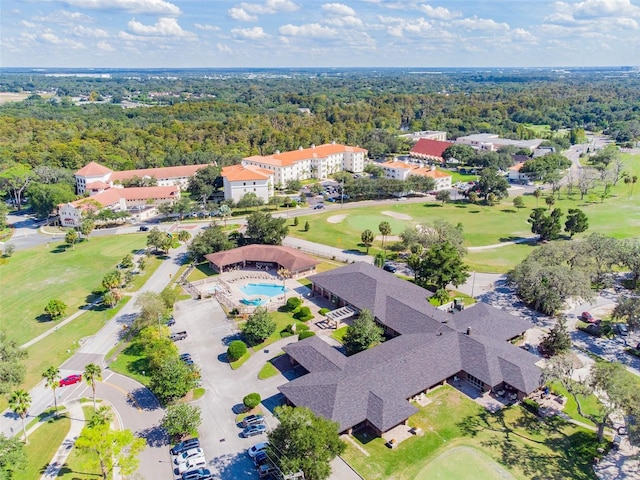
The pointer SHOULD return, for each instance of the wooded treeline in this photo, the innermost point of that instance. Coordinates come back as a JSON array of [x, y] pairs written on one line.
[[238, 116]]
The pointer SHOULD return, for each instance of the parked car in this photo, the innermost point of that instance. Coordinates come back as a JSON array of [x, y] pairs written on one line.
[[319, 206], [191, 464], [199, 474], [171, 322], [260, 459], [189, 454], [390, 268], [70, 380], [253, 430], [253, 420], [587, 317], [144, 228], [184, 446], [178, 336], [266, 470], [622, 329], [257, 448]]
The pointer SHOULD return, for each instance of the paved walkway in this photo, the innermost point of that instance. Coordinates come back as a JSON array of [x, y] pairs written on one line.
[[76, 415]]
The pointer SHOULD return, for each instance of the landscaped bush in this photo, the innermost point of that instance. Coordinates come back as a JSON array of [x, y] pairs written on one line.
[[293, 304], [324, 311], [531, 405], [301, 327], [303, 314], [306, 334], [252, 400], [237, 349]]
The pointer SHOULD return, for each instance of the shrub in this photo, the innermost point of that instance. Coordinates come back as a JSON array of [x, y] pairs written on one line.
[[323, 311], [252, 400], [237, 349], [531, 405], [305, 334], [293, 303], [301, 327], [303, 314]]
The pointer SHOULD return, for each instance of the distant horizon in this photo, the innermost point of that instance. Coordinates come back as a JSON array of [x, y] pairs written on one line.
[[150, 34]]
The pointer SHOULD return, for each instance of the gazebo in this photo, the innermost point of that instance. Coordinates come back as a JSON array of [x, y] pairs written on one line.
[[263, 257]]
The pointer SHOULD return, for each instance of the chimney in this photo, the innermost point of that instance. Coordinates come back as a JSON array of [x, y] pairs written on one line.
[[468, 330]]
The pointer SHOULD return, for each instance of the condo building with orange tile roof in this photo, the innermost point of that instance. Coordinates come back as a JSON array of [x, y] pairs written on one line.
[[402, 171], [238, 180]]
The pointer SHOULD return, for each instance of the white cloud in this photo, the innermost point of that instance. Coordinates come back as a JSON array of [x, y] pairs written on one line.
[[241, 15], [52, 39], [154, 7], [250, 33], [164, 27], [310, 30], [63, 17], [605, 8], [344, 21], [476, 23], [338, 9], [223, 48], [105, 47], [81, 31], [270, 7], [206, 27], [522, 35], [24, 23], [439, 13]]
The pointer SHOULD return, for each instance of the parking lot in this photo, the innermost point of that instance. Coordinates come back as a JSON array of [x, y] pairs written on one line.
[[209, 332]]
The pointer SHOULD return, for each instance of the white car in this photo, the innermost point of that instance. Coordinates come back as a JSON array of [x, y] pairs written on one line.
[[191, 464], [185, 456], [257, 448]]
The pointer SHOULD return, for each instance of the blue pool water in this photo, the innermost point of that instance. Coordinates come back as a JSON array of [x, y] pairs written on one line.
[[266, 289]]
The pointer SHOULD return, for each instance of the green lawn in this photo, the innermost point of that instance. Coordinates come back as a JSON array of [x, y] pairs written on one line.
[[590, 405], [463, 463], [617, 216], [75, 468], [43, 444], [517, 440], [340, 333], [33, 277], [269, 370], [131, 362]]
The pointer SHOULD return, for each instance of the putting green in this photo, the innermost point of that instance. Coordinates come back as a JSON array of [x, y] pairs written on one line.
[[464, 463]]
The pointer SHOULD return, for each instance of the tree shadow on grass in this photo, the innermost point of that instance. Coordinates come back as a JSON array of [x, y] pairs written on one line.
[[508, 210], [43, 318], [60, 248]]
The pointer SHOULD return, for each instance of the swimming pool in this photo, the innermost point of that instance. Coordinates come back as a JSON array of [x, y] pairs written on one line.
[[266, 289]]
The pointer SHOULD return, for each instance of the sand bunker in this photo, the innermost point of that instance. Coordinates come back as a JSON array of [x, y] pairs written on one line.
[[336, 218], [399, 216]]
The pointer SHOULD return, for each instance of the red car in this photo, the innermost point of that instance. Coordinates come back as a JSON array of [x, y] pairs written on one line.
[[587, 317], [70, 380]]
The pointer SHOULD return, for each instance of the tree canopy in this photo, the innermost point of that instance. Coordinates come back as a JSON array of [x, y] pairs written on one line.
[[363, 333], [304, 442], [266, 229]]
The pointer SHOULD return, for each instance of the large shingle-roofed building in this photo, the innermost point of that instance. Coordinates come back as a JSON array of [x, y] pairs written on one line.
[[427, 347]]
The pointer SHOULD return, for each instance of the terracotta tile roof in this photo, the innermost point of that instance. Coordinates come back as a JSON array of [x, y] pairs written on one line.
[[427, 172], [113, 195], [97, 186], [159, 173], [237, 173], [430, 148], [516, 167], [289, 158], [93, 169], [397, 165]]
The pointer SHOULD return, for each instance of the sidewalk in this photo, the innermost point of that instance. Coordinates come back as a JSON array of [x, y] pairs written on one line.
[[76, 415]]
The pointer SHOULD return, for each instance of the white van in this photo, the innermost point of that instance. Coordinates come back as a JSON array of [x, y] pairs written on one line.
[[191, 464]]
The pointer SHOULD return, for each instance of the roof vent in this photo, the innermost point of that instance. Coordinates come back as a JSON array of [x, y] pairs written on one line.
[[300, 147], [468, 330], [277, 152]]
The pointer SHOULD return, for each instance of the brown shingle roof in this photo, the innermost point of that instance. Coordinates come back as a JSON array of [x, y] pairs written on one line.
[[290, 258]]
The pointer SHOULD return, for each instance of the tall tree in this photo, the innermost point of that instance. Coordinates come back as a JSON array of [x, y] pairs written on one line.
[[548, 227], [55, 309], [630, 258], [20, 403], [367, 239], [385, 231], [86, 227], [304, 442], [152, 310], [628, 309], [71, 237], [259, 326], [181, 419], [363, 333], [106, 448], [441, 265], [52, 380], [577, 222], [12, 369], [92, 375], [16, 179], [492, 182], [172, 380], [210, 240], [558, 340], [265, 229], [12, 456]]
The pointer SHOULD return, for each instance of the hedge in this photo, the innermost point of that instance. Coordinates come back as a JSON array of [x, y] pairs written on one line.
[[237, 349]]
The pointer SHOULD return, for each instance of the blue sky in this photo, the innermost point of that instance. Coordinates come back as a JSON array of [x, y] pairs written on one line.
[[310, 33]]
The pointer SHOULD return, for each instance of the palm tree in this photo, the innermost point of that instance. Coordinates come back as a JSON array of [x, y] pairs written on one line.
[[101, 416], [93, 374], [52, 377], [19, 403]]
